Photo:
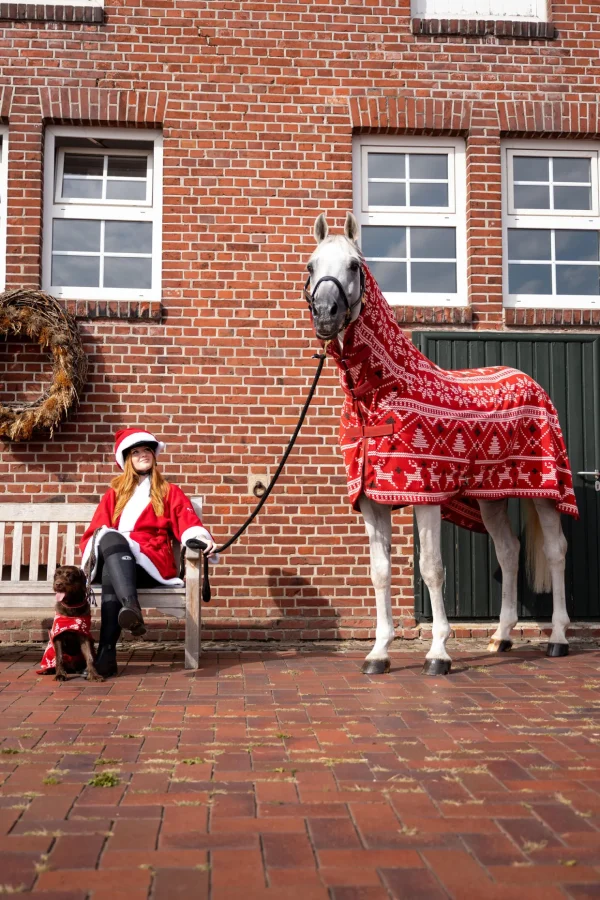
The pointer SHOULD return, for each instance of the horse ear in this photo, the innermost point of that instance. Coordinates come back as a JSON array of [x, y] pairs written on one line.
[[321, 229], [351, 228]]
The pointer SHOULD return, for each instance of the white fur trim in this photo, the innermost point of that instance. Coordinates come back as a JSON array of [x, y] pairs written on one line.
[[135, 506], [136, 438], [147, 564], [198, 531]]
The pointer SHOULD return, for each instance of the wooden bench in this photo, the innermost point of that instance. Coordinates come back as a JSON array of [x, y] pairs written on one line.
[[35, 538]]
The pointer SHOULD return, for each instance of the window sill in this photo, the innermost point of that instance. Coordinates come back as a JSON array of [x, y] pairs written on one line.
[[133, 310], [551, 317], [433, 315], [18, 12], [503, 28]]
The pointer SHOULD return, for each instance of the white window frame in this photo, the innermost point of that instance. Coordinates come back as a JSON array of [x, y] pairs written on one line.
[[3, 202], [550, 220], [478, 9], [149, 210], [452, 216]]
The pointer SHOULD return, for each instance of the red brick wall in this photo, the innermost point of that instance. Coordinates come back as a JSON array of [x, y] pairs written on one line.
[[258, 108]]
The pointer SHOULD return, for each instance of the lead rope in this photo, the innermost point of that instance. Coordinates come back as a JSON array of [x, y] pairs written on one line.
[[206, 591]]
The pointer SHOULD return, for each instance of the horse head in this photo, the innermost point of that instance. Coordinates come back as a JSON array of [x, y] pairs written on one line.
[[335, 282]]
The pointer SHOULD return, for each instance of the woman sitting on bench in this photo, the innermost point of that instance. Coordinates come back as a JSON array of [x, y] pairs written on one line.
[[128, 542]]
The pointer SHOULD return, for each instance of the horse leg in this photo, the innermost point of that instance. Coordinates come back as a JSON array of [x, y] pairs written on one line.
[[495, 518], [378, 521], [555, 550], [429, 522]]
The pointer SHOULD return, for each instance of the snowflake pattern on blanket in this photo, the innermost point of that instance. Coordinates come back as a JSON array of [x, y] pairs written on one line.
[[72, 663], [412, 432]]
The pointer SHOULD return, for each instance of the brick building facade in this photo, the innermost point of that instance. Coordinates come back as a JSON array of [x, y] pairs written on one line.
[[253, 109]]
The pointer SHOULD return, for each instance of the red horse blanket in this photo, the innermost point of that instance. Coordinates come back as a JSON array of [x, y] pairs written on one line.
[[77, 624], [412, 432]]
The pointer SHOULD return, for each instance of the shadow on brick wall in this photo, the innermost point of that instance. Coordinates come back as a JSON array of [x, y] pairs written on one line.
[[303, 608]]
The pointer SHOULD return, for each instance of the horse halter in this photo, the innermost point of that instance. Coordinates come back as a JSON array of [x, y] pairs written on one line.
[[310, 297]]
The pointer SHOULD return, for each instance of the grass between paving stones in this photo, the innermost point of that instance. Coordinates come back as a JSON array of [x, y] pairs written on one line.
[[105, 779]]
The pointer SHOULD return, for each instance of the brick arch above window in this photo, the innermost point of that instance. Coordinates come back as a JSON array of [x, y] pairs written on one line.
[[99, 106], [531, 118], [388, 114], [6, 95]]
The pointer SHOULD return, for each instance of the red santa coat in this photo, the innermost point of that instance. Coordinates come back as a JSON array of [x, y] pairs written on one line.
[[148, 535], [412, 432]]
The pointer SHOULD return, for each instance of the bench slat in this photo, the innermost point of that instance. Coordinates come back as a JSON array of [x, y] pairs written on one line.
[[15, 569], [70, 548], [52, 547], [34, 555], [47, 512]]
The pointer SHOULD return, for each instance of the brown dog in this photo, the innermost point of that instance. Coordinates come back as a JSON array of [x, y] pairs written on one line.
[[70, 638]]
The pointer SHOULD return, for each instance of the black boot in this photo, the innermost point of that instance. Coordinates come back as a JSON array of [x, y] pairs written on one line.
[[120, 571], [106, 660], [106, 657]]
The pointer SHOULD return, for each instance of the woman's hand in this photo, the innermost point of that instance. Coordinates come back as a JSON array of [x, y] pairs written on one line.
[[208, 548]]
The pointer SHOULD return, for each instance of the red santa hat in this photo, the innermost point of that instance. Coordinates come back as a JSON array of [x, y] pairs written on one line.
[[128, 438]]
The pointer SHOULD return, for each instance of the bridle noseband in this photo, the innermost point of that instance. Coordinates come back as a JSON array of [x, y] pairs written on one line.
[[350, 307]]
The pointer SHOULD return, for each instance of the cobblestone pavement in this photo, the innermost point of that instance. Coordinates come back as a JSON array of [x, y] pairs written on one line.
[[288, 774]]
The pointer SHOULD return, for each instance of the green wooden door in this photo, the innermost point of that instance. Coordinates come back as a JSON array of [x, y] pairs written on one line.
[[568, 367]]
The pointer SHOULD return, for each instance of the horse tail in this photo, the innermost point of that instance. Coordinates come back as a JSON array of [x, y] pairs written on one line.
[[536, 564]]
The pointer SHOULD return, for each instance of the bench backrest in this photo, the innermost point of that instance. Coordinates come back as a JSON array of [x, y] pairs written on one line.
[[40, 536]]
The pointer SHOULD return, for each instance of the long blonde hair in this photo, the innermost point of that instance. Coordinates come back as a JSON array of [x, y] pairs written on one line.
[[124, 486]]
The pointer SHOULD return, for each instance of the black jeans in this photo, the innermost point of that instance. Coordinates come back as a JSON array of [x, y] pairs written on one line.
[[120, 578]]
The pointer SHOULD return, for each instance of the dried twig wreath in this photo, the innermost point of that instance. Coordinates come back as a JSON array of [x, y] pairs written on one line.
[[40, 317]]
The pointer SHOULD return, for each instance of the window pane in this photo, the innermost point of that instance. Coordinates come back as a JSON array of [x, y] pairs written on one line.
[[80, 188], [386, 165], [83, 165], [428, 165], [389, 276], [76, 234], [387, 194], [530, 279], [125, 190], [532, 196], [383, 240], [581, 246], [529, 243], [127, 166], [433, 243], [572, 197], [76, 271], [428, 194], [123, 272], [128, 237], [531, 168], [433, 278], [571, 169], [578, 280]]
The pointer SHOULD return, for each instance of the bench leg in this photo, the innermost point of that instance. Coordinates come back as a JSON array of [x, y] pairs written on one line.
[[193, 622]]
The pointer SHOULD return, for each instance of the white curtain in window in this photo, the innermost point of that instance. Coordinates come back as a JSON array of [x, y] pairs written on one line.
[[481, 9]]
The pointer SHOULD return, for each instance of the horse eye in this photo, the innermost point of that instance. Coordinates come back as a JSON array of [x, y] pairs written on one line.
[[310, 268], [354, 265]]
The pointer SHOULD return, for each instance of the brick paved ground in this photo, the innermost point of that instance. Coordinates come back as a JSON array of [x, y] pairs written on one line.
[[291, 775]]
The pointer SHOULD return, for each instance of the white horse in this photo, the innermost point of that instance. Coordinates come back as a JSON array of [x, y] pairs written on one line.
[[334, 297]]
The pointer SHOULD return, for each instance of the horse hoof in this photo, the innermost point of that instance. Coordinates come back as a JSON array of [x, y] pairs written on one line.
[[375, 666], [437, 667], [499, 646], [555, 650]]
